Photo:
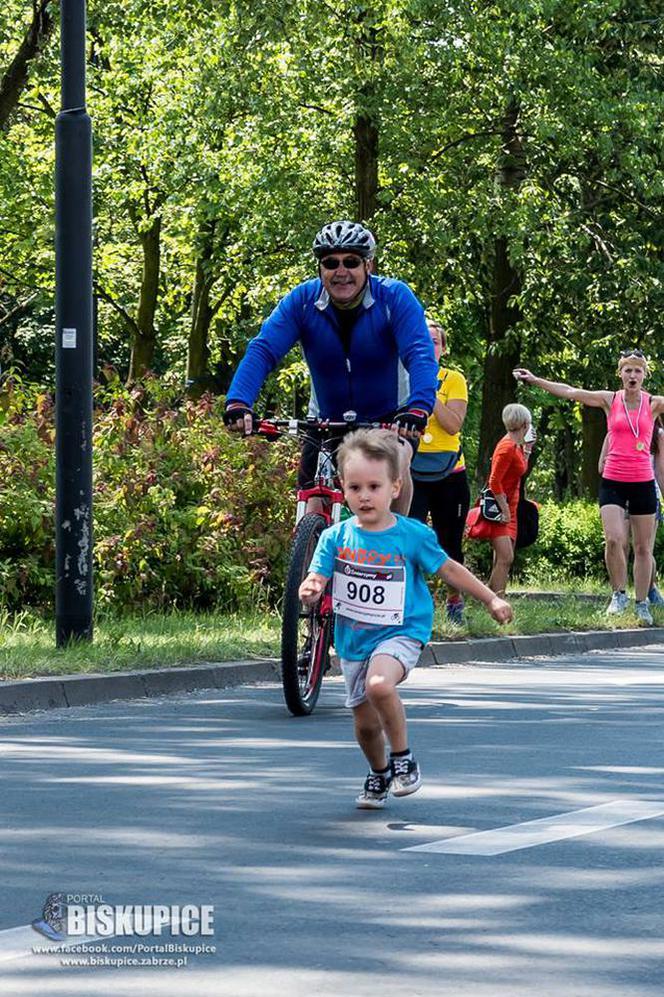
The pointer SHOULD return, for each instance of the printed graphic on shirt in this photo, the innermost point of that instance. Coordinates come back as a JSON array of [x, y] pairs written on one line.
[[371, 595]]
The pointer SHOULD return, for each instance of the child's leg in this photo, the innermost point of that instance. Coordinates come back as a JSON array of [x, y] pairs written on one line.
[[388, 666], [369, 736], [378, 711], [383, 677]]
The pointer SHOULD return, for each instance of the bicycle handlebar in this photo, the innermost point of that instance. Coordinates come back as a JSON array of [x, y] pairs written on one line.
[[295, 427]]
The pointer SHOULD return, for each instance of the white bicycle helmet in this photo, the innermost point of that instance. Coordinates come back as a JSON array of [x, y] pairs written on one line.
[[344, 237]]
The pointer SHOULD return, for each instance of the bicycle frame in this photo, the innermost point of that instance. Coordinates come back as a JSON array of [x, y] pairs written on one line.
[[325, 487]]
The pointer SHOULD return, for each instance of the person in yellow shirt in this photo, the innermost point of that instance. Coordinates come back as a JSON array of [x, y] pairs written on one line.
[[439, 469]]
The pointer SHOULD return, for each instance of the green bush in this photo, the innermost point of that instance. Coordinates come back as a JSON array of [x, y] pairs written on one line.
[[570, 542], [570, 545], [184, 513], [187, 515]]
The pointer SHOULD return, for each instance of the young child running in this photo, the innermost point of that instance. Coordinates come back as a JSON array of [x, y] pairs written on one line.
[[384, 611]]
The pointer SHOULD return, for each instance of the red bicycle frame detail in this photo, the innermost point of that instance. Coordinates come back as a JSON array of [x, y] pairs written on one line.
[[329, 496], [325, 606]]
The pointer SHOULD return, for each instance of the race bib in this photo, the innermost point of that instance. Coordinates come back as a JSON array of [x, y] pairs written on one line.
[[369, 594]]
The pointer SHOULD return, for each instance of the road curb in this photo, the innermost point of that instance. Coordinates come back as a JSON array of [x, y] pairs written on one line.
[[85, 690], [51, 693], [458, 652]]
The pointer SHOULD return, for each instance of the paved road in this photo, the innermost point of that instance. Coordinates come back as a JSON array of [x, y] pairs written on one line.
[[220, 798]]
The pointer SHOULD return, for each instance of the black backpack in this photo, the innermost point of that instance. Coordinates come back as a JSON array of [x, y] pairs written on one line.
[[527, 520]]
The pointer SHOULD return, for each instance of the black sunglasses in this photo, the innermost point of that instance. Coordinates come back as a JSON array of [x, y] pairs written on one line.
[[349, 262], [633, 353]]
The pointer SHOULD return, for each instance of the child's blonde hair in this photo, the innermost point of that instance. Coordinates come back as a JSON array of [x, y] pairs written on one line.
[[374, 444], [515, 416]]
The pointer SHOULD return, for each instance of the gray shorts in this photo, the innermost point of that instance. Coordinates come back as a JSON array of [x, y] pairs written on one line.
[[406, 650]]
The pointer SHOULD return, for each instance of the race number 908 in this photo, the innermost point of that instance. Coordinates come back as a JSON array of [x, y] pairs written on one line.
[[366, 593]]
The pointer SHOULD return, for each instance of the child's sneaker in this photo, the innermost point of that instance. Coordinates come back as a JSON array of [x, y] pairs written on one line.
[[406, 776], [643, 613], [375, 792], [655, 597], [454, 611]]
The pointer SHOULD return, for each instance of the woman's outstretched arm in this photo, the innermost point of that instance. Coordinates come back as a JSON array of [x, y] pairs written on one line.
[[596, 399]]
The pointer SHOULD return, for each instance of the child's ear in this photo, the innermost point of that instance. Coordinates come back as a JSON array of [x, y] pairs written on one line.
[[396, 488]]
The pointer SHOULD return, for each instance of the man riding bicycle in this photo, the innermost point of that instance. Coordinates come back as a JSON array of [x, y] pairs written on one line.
[[365, 341]]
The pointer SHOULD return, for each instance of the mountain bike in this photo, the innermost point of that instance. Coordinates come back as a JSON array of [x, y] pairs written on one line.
[[306, 631]]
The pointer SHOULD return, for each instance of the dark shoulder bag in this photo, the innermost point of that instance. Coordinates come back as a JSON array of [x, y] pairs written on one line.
[[527, 520], [434, 466]]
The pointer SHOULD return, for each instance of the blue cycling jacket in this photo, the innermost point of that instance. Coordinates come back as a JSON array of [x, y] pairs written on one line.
[[390, 361]]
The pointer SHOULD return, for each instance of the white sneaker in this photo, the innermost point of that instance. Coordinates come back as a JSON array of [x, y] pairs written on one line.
[[643, 612], [618, 604], [406, 776], [375, 792]]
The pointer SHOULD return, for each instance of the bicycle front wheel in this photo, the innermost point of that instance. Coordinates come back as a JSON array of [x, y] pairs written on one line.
[[306, 631]]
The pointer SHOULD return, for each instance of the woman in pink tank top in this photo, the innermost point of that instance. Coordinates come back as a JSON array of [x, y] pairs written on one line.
[[628, 480]]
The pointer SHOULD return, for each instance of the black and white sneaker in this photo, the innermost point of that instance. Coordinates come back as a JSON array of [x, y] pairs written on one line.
[[406, 776], [375, 792]]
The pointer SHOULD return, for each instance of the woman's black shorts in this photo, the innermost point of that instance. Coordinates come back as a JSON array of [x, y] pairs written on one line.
[[638, 498]]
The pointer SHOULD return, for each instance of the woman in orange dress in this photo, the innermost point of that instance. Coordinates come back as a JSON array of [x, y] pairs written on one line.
[[508, 465]]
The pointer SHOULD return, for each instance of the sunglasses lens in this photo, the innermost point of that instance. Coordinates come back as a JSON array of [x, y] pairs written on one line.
[[632, 353], [332, 263]]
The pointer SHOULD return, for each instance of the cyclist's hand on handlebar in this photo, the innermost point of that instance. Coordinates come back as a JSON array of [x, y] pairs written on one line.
[[239, 418], [411, 421], [312, 588]]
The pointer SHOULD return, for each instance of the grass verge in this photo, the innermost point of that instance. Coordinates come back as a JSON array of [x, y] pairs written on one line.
[[535, 616], [27, 643], [27, 647]]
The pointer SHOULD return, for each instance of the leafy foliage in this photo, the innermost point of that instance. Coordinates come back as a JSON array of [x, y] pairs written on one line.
[[228, 131], [185, 513]]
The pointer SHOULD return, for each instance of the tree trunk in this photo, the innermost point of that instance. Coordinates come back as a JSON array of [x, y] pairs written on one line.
[[14, 80], [593, 431], [502, 344], [143, 346], [365, 133], [365, 127], [199, 376], [565, 475]]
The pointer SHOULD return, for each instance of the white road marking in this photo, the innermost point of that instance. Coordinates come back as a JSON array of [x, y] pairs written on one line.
[[546, 830]]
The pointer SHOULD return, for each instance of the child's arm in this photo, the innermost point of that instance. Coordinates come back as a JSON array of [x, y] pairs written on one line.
[[460, 578], [312, 588]]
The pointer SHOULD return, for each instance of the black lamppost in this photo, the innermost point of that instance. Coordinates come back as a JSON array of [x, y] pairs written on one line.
[[73, 333]]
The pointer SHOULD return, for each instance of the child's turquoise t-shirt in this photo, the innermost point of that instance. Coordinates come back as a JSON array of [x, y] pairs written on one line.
[[379, 589]]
